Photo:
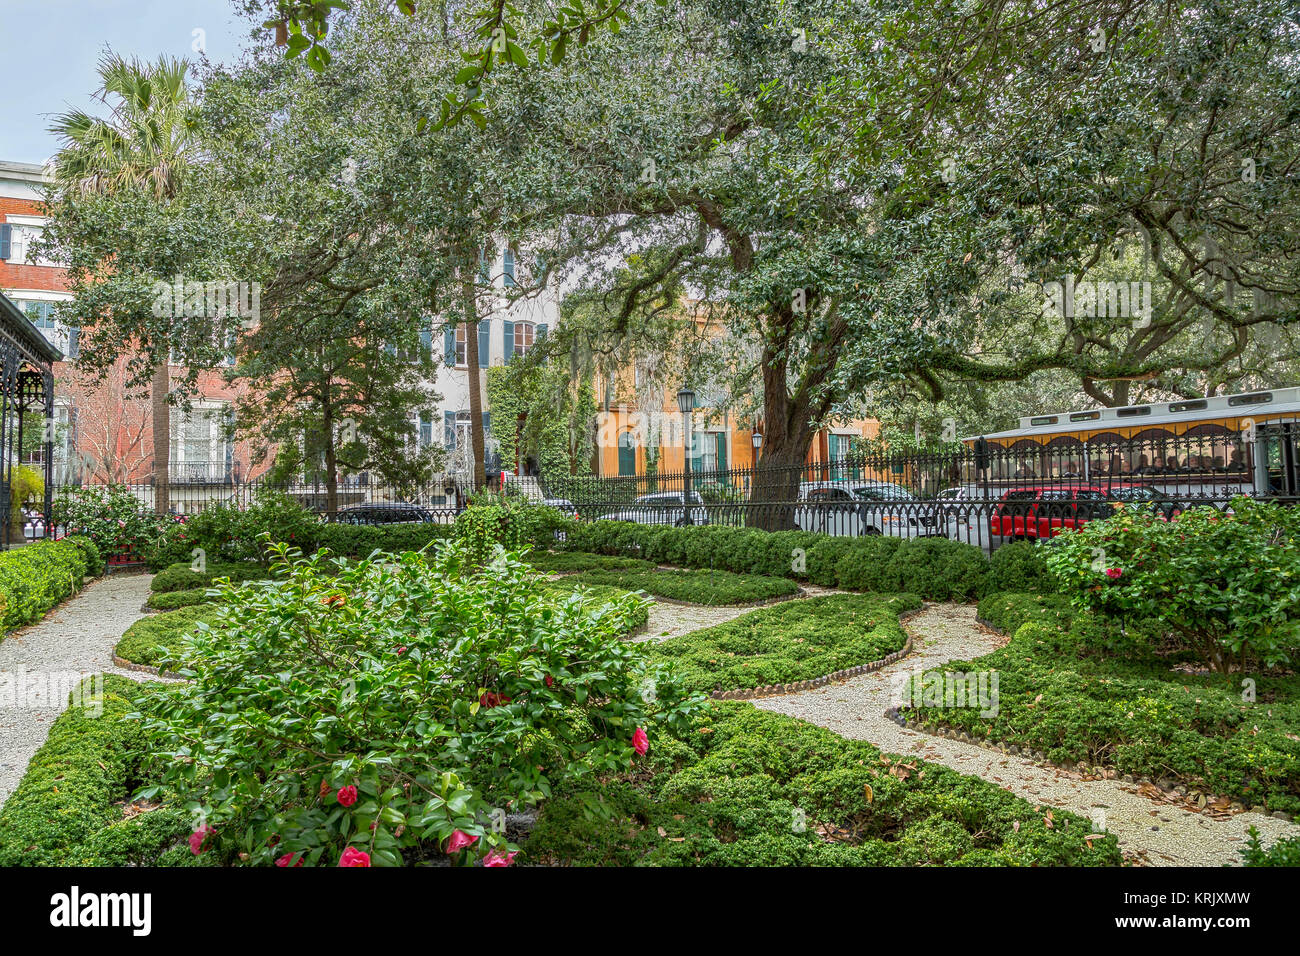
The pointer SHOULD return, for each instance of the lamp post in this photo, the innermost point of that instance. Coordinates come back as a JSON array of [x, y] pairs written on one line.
[[756, 437], [686, 405]]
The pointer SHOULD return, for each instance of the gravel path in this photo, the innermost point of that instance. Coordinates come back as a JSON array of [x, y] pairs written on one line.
[[673, 620], [50, 656], [1149, 832]]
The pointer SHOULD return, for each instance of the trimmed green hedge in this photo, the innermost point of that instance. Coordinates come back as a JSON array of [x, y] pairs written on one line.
[[793, 641], [1020, 566], [566, 562], [935, 568], [745, 787], [68, 808], [1078, 687], [171, 600], [143, 641], [38, 576], [181, 577], [696, 587]]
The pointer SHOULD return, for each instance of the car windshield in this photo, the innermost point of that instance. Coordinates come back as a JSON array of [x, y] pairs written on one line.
[[878, 492]]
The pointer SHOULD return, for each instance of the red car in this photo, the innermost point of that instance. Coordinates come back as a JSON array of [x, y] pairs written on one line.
[[1045, 512]]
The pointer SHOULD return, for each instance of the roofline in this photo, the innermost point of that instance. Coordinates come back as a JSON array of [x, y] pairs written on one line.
[[23, 326], [29, 172]]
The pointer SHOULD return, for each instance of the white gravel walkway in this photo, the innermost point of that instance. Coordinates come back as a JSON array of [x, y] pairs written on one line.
[[1151, 833], [46, 659]]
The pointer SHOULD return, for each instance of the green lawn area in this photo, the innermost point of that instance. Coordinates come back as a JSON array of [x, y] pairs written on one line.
[[792, 641]]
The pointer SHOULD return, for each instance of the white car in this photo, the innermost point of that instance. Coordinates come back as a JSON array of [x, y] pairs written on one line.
[[855, 508], [965, 511], [661, 508]]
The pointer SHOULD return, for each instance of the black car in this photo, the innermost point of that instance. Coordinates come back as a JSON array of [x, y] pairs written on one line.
[[377, 514]]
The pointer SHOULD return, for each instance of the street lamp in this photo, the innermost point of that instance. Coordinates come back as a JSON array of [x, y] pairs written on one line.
[[686, 405], [757, 438]]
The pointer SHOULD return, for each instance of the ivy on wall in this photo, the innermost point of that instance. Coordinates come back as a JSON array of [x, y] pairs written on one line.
[[558, 426]]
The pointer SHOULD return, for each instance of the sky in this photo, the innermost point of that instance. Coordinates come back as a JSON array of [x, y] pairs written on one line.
[[49, 50]]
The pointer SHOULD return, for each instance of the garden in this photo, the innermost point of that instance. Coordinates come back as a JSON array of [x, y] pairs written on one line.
[[494, 692]]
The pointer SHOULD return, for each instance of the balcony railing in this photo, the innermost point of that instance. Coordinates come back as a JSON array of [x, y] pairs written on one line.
[[200, 472]]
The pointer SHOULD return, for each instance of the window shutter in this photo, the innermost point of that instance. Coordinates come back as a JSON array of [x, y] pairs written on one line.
[[6, 239], [449, 430], [484, 342], [74, 342], [509, 336], [508, 266], [487, 422], [426, 344], [485, 259], [449, 346]]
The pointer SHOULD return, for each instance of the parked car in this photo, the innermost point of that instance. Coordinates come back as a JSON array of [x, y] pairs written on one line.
[[561, 504], [856, 508], [665, 507], [1045, 512], [381, 513], [1144, 496]]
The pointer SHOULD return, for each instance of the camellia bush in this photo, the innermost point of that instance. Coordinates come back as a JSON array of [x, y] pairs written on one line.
[[396, 709], [1227, 584], [112, 517]]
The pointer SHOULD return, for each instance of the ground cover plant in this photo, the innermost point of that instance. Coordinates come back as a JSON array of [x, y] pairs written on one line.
[[147, 640], [568, 562], [1081, 688], [380, 711], [71, 807], [184, 576], [695, 587], [744, 787], [792, 641], [171, 600]]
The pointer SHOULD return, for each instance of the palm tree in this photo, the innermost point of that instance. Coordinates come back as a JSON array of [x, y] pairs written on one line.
[[143, 144]]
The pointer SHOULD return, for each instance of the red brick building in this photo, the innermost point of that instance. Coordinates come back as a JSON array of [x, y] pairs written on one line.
[[104, 431]]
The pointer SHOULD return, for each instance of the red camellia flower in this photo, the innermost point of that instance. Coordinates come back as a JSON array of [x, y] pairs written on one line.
[[459, 840], [490, 699], [640, 742], [497, 858], [354, 857], [550, 681], [347, 795], [198, 837], [401, 650], [1113, 573], [288, 860]]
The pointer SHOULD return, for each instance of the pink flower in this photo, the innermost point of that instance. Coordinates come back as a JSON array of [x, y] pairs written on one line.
[[459, 840], [497, 858], [199, 837], [401, 650], [287, 860], [354, 857], [347, 796], [492, 699], [640, 742], [1113, 573]]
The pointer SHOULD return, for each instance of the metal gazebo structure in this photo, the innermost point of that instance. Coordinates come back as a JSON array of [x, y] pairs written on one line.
[[26, 383]]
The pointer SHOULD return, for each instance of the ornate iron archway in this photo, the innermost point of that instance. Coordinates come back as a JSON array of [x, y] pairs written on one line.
[[26, 383]]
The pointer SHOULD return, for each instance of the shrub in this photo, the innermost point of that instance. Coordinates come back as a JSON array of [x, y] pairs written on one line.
[[939, 569], [437, 690], [1284, 852], [727, 792], [794, 641], [171, 600], [565, 562], [866, 565], [147, 640], [508, 522], [74, 782], [38, 576], [112, 517], [1020, 566], [695, 587], [182, 577], [635, 609], [1227, 584]]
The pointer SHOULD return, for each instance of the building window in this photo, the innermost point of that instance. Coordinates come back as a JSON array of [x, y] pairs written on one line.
[[461, 360], [200, 449], [41, 313], [508, 267], [525, 333]]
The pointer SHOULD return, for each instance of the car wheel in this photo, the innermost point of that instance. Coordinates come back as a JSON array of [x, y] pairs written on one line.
[[871, 530]]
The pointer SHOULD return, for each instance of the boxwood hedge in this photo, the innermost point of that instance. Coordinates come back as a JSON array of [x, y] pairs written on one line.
[[696, 587], [38, 576], [745, 787]]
